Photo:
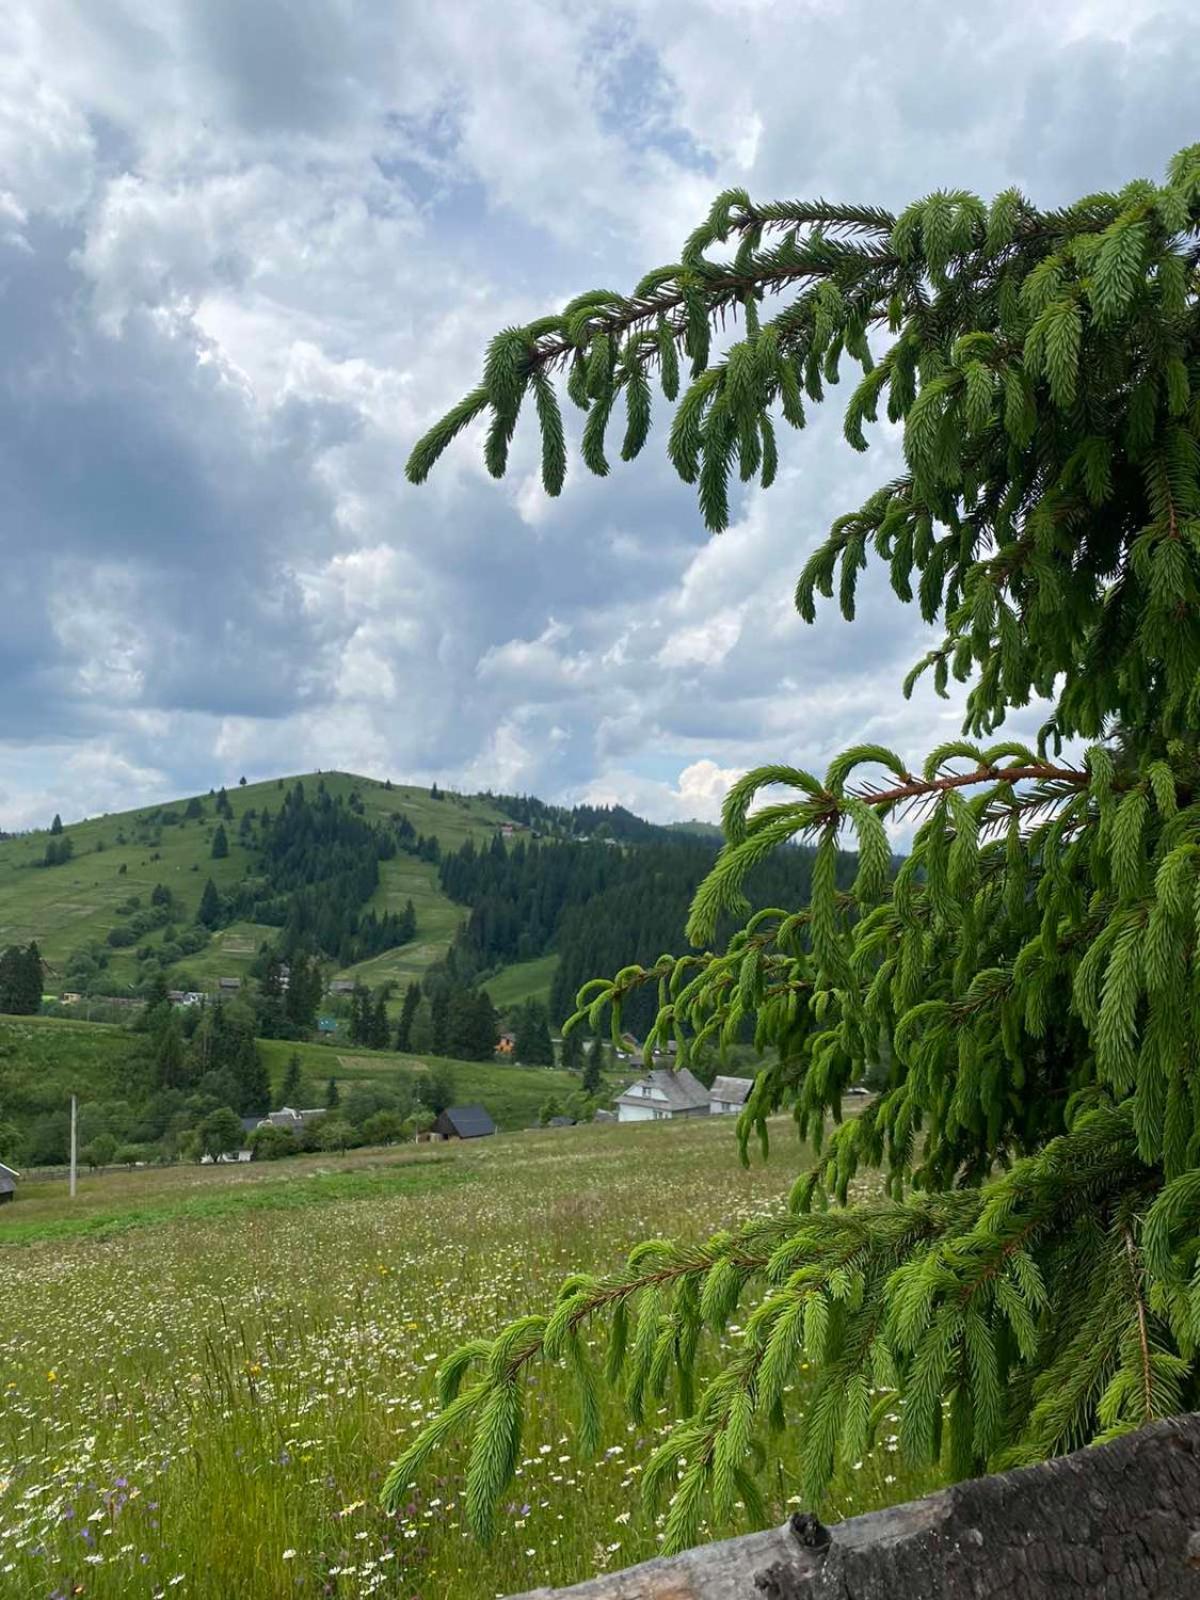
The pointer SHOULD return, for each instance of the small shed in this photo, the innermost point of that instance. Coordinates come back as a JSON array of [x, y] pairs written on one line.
[[8, 1183], [464, 1122]]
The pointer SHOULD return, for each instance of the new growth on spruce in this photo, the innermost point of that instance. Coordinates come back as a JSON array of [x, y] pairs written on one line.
[[1031, 971]]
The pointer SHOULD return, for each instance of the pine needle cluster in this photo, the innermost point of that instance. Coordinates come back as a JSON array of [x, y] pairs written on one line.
[[1030, 975]]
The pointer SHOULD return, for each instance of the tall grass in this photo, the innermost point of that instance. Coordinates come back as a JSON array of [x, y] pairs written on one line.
[[202, 1392]]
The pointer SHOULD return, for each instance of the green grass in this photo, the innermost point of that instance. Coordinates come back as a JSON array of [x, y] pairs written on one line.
[[45, 1060], [52, 1058], [524, 980], [72, 905], [216, 1388], [207, 1194], [513, 1095]]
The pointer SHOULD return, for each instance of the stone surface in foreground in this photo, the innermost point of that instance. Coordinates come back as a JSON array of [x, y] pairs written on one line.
[[1117, 1522]]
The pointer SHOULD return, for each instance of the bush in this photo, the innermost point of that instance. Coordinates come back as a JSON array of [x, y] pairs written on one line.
[[128, 1155], [272, 1144]]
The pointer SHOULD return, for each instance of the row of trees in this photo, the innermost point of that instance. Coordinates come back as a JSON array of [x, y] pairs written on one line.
[[442, 1018], [597, 906], [211, 1049]]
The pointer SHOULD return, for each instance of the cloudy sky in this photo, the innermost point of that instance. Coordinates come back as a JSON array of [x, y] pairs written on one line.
[[250, 248]]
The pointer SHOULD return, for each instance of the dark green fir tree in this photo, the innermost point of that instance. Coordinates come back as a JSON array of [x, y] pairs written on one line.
[[412, 999], [1031, 970], [293, 1080], [209, 912], [593, 1067], [533, 1046], [572, 1050]]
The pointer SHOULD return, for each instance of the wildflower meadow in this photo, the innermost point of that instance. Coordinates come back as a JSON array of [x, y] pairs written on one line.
[[206, 1372]]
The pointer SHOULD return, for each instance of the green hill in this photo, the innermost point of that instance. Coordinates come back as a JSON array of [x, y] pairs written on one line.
[[124, 855], [44, 1060]]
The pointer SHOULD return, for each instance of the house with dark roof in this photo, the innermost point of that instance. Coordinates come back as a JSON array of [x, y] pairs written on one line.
[[728, 1095], [464, 1122], [8, 1183], [663, 1095]]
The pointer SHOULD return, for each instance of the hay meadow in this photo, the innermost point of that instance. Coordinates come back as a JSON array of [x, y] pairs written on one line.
[[206, 1371]]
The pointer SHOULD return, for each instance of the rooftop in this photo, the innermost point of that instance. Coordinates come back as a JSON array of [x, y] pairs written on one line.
[[469, 1122], [681, 1090], [735, 1091]]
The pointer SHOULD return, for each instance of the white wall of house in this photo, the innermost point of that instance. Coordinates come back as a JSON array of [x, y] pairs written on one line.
[[646, 1113], [723, 1108]]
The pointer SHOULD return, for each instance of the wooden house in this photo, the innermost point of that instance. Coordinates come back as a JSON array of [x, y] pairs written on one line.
[[464, 1122]]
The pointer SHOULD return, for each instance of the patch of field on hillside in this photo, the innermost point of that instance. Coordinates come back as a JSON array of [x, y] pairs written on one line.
[[405, 878], [209, 1384], [513, 1095], [524, 980], [67, 906]]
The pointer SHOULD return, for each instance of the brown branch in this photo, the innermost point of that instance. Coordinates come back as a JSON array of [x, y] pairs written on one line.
[[719, 291], [1135, 1273], [916, 788]]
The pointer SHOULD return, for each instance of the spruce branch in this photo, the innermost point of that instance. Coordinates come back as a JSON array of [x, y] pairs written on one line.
[[1021, 988]]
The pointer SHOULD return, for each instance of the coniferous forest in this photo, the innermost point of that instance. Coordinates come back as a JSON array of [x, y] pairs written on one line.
[[598, 905], [319, 867]]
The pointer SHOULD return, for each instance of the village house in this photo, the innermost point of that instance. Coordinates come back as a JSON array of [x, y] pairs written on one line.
[[464, 1122], [506, 1043], [342, 986], [8, 1183], [290, 1119], [226, 986], [663, 1095], [728, 1095]]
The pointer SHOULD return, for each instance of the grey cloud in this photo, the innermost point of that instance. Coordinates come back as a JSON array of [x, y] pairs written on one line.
[[252, 249]]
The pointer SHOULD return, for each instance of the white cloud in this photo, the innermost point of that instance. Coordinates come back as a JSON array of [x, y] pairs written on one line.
[[242, 267]]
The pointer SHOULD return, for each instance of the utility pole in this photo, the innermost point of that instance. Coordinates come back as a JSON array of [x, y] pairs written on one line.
[[74, 1146]]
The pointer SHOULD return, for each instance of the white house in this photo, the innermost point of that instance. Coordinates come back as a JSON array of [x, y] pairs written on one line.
[[291, 1120], [662, 1095], [728, 1095]]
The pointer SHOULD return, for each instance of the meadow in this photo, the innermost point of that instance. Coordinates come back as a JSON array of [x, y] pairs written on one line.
[[208, 1371]]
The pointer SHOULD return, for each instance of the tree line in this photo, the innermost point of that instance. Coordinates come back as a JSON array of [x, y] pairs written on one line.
[[598, 906]]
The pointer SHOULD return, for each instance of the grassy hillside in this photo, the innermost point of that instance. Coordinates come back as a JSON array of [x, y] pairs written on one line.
[[44, 1060], [218, 1364], [524, 980], [126, 853]]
